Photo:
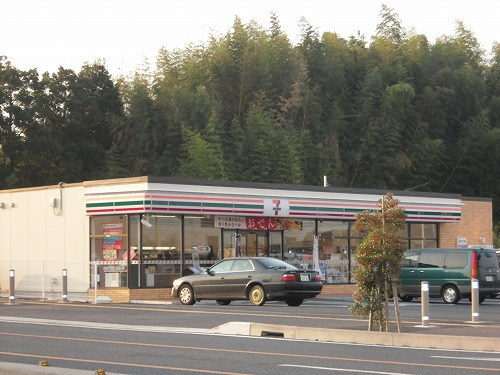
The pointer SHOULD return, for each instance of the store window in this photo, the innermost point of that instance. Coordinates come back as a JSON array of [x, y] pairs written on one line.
[[333, 250], [202, 241], [298, 243], [231, 242], [275, 248], [356, 238], [108, 251], [403, 234], [423, 235], [160, 256]]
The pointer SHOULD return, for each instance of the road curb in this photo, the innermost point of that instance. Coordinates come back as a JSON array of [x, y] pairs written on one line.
[[8, 368], [412, 340]]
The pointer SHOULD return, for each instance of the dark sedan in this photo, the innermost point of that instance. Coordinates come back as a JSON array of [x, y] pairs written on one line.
[[257, 279]]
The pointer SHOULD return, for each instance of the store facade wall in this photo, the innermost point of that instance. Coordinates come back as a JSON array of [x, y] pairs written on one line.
[[43, 231], [475, 228]]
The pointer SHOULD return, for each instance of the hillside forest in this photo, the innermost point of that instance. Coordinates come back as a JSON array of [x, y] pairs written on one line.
[[394, 112]]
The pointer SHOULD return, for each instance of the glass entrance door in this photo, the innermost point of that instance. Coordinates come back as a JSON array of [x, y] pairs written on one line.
[[254, 243]]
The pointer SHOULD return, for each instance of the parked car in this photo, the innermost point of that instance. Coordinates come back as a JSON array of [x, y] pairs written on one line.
[[257, 279], [449, 273]]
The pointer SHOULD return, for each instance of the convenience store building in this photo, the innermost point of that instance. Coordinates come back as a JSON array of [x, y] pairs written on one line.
[[129, 238]]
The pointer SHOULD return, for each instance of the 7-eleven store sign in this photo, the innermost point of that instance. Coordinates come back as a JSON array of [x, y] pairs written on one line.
[[276, 207]]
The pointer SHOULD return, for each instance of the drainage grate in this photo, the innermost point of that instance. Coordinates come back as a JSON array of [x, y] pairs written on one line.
[[272, 334]]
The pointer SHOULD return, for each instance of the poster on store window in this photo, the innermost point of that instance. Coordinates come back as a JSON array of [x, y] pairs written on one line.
[[258, 223], [112, 241], [316, 263]]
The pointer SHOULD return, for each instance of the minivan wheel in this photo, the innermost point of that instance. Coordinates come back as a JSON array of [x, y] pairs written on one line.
[[450, 294]]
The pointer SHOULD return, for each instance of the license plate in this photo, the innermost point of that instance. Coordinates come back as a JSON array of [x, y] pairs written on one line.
[[489, 278], [305, 277]]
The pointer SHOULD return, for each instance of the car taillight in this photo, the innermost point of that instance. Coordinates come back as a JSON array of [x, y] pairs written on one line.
[[289, 277], [317, 278], [473, 272]]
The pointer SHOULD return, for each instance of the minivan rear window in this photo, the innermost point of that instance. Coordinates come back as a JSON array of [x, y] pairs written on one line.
[[487, 259], [456, 260]]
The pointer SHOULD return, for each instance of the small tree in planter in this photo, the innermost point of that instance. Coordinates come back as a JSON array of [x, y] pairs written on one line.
[[379, 261]]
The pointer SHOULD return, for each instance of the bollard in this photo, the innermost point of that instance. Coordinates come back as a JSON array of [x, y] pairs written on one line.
[[65, 285], [475, 300], [12, 297], [424, 286]]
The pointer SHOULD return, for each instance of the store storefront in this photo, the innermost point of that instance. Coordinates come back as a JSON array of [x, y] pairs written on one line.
[[146, 239]]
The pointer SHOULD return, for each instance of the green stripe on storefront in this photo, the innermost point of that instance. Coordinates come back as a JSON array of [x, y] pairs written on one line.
[[337, 209], [174, 204], [116, 204], [354, 210], [305, 209], [432, 213], [207, 204]]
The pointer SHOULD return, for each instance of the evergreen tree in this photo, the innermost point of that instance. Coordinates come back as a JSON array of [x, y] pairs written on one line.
[[200, 160]]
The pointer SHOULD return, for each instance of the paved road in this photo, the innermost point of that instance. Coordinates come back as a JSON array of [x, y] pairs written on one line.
[[176, 339], [157, 339]]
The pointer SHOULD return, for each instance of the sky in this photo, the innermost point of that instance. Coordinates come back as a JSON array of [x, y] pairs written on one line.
[[47, 34]]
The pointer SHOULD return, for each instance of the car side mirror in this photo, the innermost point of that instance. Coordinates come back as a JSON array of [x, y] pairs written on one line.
[[210, 272]]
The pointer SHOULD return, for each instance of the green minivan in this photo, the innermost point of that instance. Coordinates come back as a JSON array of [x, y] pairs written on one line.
[[449, 273]]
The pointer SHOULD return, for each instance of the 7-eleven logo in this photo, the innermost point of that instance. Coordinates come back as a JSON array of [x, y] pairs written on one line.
[[276, 206]]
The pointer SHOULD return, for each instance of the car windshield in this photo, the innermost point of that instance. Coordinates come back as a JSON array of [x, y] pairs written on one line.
[[273, 263]]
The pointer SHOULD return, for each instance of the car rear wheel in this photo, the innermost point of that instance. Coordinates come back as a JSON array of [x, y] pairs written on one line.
[[406, 298], [223, 301], [257, 295], [481, 299], [186, 295], [294, 301], [450, 294]]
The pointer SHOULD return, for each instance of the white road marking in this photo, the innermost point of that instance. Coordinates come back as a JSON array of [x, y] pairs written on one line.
[[467, 358], [345, 370]]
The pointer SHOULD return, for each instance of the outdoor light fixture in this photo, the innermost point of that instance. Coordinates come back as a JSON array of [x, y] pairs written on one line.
[[54, 202], [146, 222]]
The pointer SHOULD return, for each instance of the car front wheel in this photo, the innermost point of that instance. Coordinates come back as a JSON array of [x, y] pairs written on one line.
[[257, 295], [186, 295], [450, 294]]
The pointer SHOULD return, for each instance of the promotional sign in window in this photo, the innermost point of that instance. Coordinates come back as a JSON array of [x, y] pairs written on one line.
[[112, 241], [257, 223]]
